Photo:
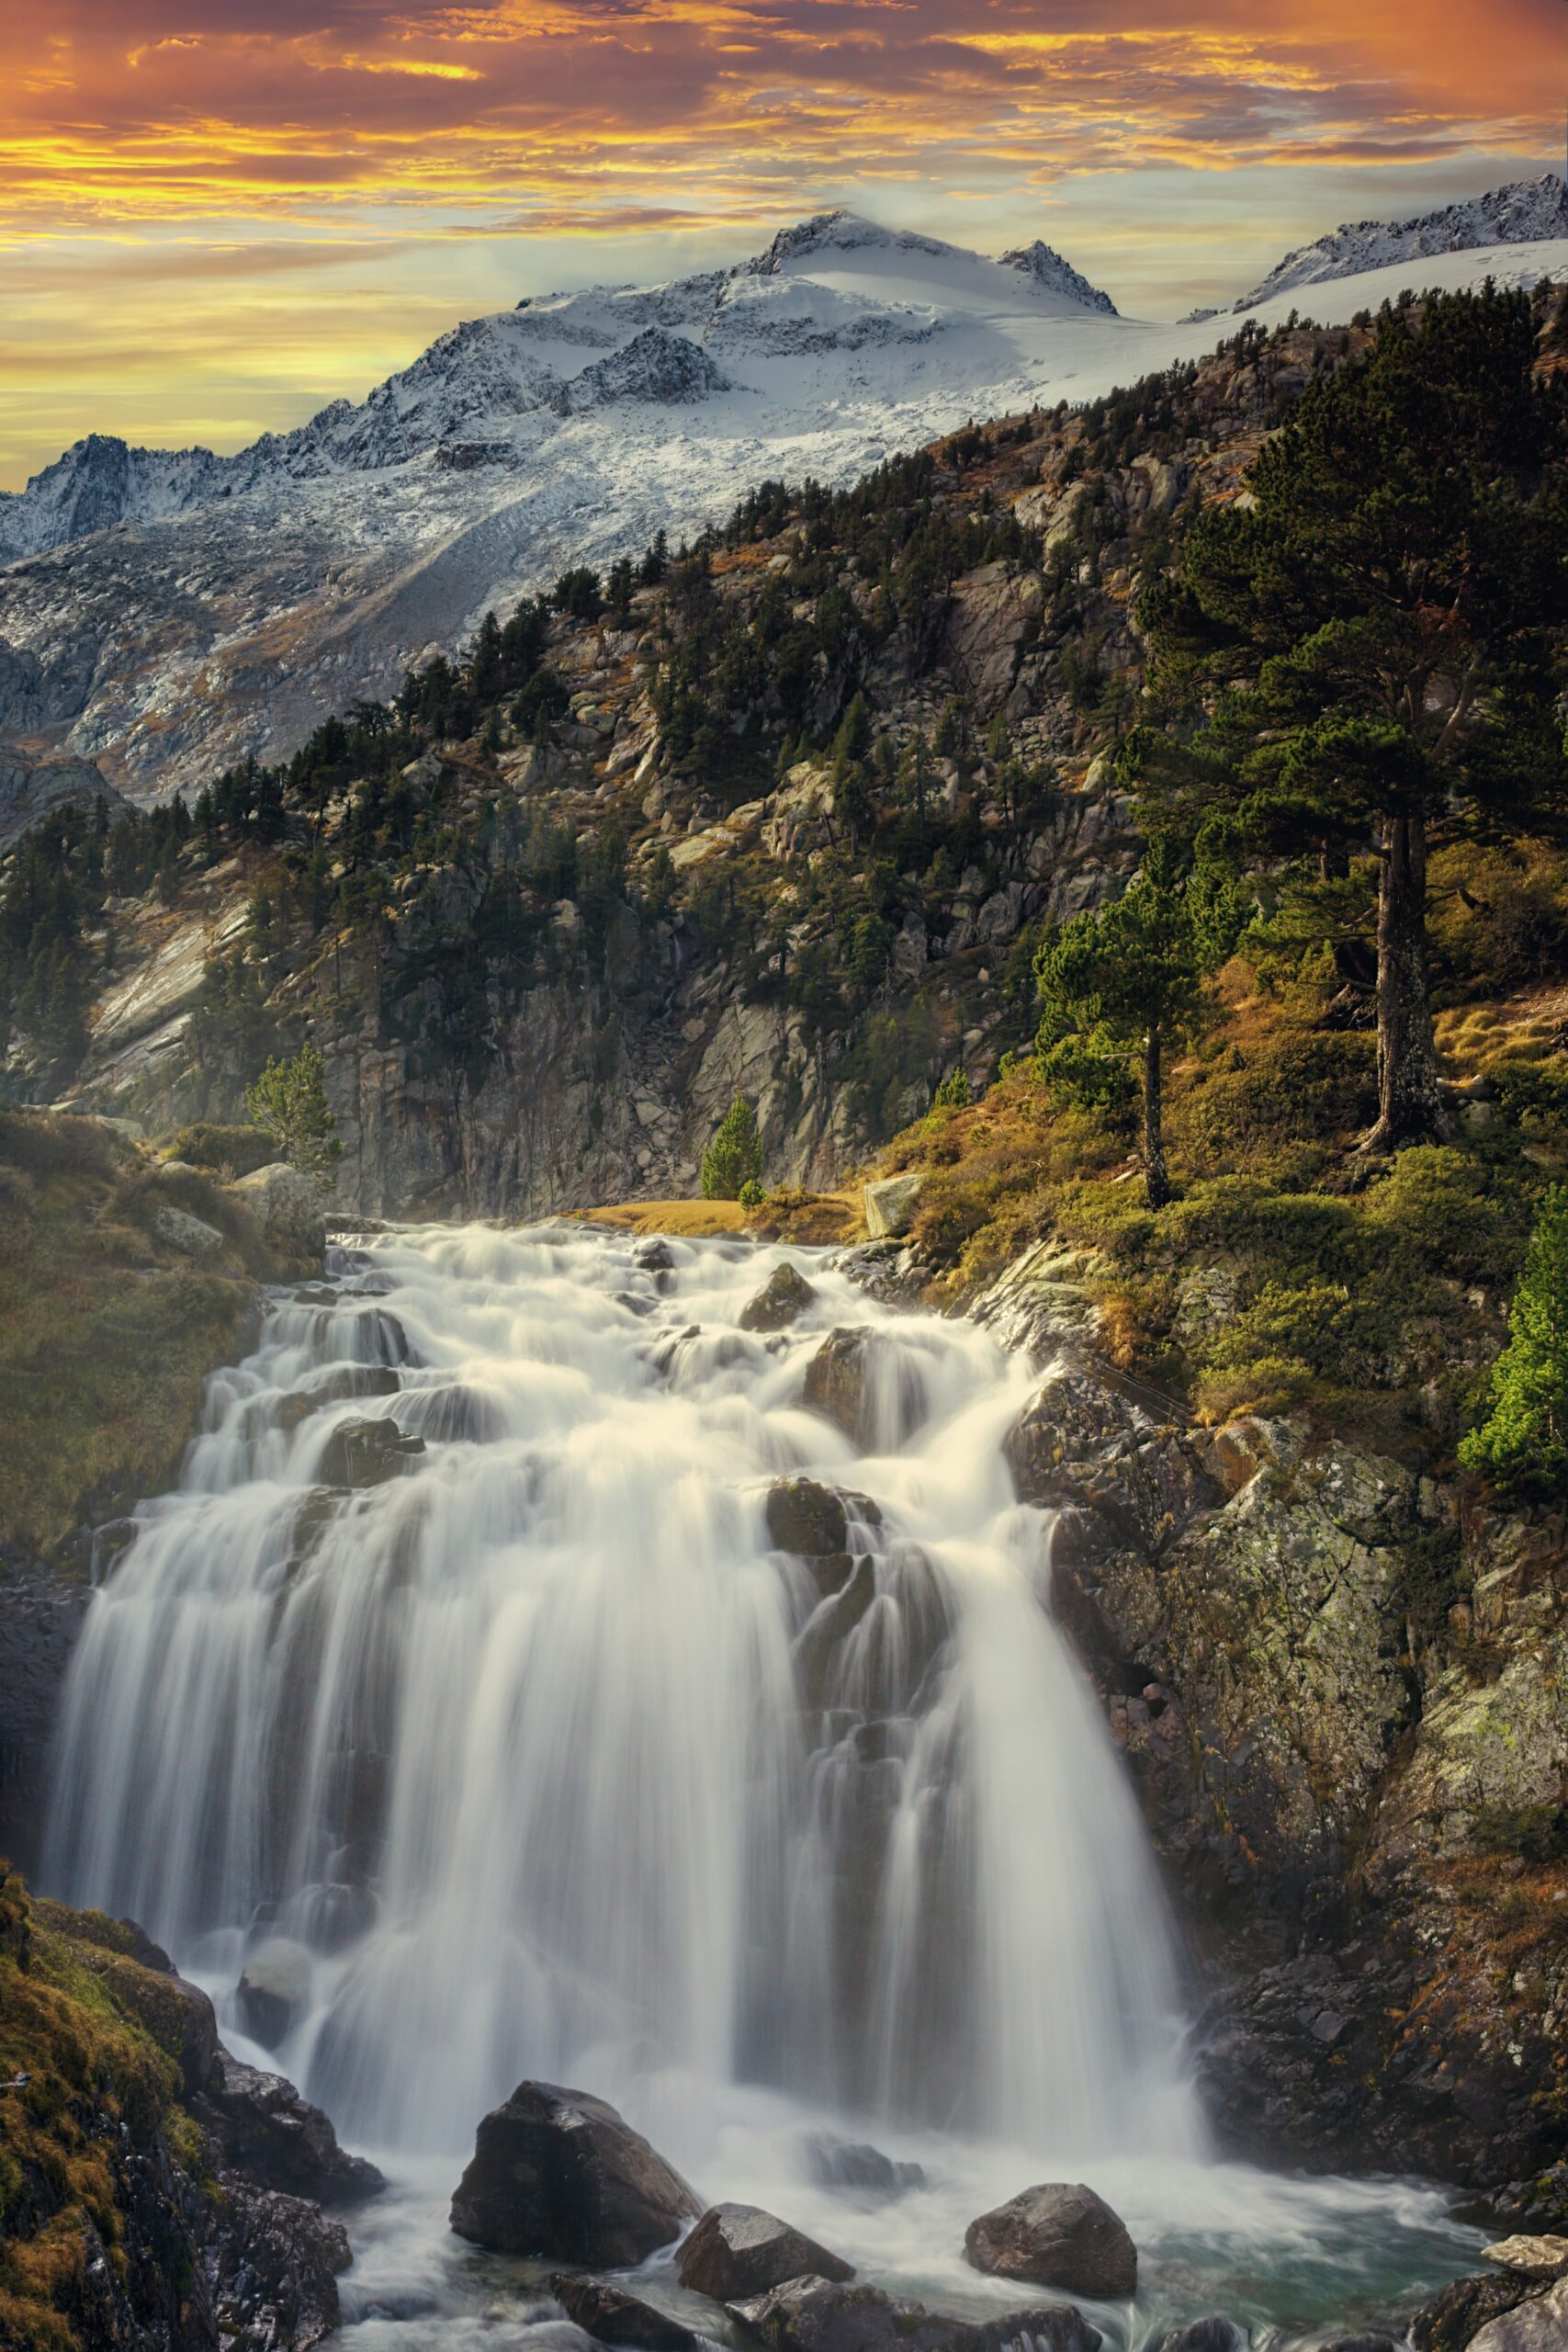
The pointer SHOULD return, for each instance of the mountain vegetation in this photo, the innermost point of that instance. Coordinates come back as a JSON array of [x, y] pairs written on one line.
[[1271, 638]]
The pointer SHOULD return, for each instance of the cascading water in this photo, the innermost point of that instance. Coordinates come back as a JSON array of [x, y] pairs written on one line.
[[542, 1757], [554, 1762]]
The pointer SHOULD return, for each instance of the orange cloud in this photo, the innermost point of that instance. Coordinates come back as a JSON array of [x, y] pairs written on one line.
[[397, 129]]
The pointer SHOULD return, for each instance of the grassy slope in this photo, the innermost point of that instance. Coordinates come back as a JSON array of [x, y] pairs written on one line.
[[106, 1333], [1289, 1272]]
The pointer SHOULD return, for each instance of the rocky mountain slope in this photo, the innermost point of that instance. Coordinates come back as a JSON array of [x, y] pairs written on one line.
[[594, 908], [164, 612]]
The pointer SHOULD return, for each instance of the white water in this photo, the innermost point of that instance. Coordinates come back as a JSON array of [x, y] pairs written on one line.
[[537, 1750]]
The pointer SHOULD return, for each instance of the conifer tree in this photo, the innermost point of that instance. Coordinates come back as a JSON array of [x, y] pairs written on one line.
[[1374, 638], [1118, 987], [734, 1159], [288, 1101]]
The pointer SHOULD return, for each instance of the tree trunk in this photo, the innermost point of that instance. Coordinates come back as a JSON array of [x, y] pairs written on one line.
[[1410, 1108], [1157, 1181]]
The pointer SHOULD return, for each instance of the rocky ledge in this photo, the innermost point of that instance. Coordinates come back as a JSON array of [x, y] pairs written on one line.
[[157, 2196]]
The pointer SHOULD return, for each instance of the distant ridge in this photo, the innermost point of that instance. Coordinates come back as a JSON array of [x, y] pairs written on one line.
[[1523, 213]]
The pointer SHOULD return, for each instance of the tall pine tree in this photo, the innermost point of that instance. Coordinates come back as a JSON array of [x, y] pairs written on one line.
[[1373, 637]]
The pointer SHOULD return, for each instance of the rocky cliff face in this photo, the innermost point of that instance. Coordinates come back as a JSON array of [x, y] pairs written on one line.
[[1340, 1697]]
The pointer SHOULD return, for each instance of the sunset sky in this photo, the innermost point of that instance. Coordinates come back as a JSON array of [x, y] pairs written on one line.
[[216, 214]]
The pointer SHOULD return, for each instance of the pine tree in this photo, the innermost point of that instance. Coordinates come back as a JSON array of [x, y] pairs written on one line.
[[734, 1159], [288, 1101], [1374, 636], [1120, 986], [1523, 1443]]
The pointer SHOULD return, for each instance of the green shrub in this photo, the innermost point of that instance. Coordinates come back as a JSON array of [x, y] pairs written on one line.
[[752, 1196], [735, 1156], [209, 1145], [1448, 1211], [1523, 1443], [1303, 1087]]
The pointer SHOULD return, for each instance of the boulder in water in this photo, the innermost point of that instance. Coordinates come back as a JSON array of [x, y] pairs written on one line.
[[274, 1989], [806, 1518], [366, 1454], [559, 2174], [1058, 2234], [611, 2316], [1211, 2334], [821, 2315], [738, 2250], [784, 1297], [267, 2131], [856, 2166], [837, 1384]]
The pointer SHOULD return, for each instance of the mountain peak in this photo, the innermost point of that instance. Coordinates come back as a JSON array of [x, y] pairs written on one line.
[[1046, 266], [838, 230]]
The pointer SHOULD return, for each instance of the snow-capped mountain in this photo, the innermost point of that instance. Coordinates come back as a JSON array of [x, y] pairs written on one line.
[[1525, 212], [163, 612]]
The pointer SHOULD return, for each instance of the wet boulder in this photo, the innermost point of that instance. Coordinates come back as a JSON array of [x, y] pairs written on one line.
[[838, 1385], [264, 2130], [784, 1297], [1212, 2334], [806, 1518], [272, 1990], [737, 2251], [1058, 2234], [821, 2315], [608, 2313], [366, 1454], [560, 2175], [856, 2166]]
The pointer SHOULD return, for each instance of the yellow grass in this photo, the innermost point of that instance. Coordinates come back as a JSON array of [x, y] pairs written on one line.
[[695, 1219]]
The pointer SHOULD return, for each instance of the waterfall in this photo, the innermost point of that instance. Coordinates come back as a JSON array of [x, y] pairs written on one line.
[[539, 1758]]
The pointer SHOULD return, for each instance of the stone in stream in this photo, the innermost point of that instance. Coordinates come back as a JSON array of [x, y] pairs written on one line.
[[785, 1296], [557, 2175], [1211, 2334], [737, 2251], [1058, 2234], [818, 2315], [272, 1990], [838, 1385], [611, 2316], [806, 1518], [1461, 2310], [366, 1454], [856, 2166]]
